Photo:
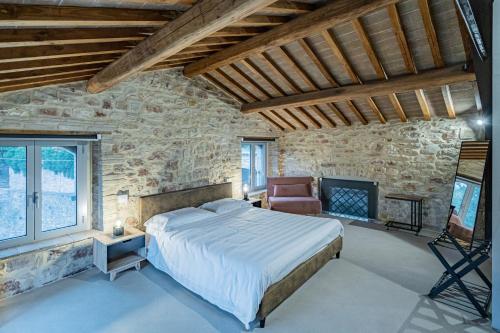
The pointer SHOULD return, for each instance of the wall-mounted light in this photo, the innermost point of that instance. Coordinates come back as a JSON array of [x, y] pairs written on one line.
[[122, 198], [245, 192], [480, 122]]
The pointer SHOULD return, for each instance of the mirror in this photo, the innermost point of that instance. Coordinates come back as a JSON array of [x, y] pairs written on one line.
[[467, 190]]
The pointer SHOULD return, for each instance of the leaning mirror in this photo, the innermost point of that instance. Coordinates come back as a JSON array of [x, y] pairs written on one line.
[[467, 188]]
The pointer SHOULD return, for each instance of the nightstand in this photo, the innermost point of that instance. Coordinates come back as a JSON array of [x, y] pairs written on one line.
[[115, 254], [256, 202]]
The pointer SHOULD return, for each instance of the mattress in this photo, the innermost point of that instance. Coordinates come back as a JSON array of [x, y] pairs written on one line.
[[231, 259]]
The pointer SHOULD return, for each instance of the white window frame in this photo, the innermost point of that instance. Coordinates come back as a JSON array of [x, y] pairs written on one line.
[[34, 231], [251, 186]]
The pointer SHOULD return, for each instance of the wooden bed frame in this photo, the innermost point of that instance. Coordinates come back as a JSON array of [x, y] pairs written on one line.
[[276, 293]]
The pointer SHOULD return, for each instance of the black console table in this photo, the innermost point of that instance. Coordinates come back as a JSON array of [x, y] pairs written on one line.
[[416, 212]]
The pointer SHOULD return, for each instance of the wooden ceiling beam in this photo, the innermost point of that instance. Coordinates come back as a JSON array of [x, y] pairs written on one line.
[[222, 87], [232, 94], [256, 86], [203, 19], [430, 32], [278, 72], [329, 15], [405, 83], [380, 72], [256, 70], [285, 55], [410, 65], [307, 47]]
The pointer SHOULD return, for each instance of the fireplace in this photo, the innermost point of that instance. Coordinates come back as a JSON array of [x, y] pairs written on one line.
[[349, 197]]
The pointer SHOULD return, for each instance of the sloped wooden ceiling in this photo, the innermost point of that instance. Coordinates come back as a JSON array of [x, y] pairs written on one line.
[[335, 52]]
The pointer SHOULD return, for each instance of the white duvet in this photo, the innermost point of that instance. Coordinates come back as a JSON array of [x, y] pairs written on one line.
[[231, 259]]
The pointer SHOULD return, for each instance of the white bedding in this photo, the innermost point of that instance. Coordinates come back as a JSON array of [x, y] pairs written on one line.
[[231, 259]]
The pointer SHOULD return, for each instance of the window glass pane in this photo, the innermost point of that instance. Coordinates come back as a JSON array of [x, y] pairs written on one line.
[[470, 217], [245, 164], [458, 195], [58, 181], [13, 188], [260, 165]]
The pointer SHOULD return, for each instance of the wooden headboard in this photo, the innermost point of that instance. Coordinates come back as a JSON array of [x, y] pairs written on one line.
[[152, 205]]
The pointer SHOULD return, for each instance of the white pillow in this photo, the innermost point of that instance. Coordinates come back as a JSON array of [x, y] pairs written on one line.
[[225, 205], [177, 218]]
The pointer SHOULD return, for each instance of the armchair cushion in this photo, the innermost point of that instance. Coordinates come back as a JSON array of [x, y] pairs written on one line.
[[292, 190], [295, 205]]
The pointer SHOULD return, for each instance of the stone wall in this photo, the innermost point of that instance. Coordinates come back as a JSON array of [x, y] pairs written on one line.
[[31, 270], [417, 157], [162, 132]]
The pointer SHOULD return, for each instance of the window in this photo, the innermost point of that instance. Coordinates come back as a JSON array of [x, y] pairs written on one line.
[[466, 196], [254, 165], [44, 188]]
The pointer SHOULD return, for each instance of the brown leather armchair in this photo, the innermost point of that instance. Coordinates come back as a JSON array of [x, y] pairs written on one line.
[[292, 195]]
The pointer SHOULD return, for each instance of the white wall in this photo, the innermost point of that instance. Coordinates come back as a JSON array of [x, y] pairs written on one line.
[[496, 165]]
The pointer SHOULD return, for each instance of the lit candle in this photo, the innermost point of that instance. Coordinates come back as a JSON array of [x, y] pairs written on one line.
[[118, 228]]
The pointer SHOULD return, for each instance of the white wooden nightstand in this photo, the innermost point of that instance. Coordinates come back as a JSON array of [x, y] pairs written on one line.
[[116, 254]]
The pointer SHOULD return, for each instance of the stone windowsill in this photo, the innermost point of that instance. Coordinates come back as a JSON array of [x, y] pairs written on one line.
[[46, 244]]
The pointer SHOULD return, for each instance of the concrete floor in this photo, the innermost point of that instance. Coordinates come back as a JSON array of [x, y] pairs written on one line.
[[376, 286]]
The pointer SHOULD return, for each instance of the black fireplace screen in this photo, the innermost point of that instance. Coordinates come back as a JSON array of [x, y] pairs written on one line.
[[349, 197]]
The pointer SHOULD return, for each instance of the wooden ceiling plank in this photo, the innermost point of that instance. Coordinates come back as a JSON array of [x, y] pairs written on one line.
[[284, 7], [466, 41], [329, 15], [256, 70], [269, 119], [299, 121], [222, 87], [15, 16], [287, 56], [430, 32], [44, 83], [405, 83], [259, 21], [407, 57], [38, 75], [203, 19], [256, 86], [60, 51], [42, 37], [283, 120], [450, 107], [380, 71], [23, 66], [28, 83], [307, 47], [238, 32], [238, 85], [279, 72], [8, 77], [234, 95]]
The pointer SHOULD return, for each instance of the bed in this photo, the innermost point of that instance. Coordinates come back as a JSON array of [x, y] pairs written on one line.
[[255, 258]]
